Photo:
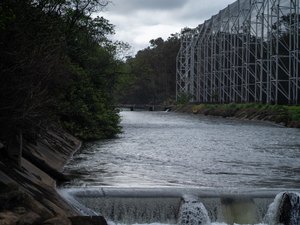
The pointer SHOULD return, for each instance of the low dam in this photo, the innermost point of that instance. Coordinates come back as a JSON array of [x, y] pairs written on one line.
[[187, 205], [172, 168]]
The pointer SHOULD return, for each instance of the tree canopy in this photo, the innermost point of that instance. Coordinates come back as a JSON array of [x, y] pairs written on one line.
[[57, 66], [152, 74]]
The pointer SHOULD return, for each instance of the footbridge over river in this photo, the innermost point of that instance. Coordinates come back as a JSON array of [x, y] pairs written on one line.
[[148, 107]]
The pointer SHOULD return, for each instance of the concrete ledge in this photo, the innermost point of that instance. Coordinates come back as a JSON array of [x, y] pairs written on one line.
[[149, 205], [171, 192]]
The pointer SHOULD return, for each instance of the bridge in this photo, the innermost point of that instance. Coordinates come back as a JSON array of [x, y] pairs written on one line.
[[248, 52], [148, 107]]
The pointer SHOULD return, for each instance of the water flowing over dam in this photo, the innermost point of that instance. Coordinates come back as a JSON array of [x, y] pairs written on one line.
[[187, 206], [172, 168]]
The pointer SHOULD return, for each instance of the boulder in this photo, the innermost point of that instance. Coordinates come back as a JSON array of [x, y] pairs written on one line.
[[15, 199], [289, 209], [88, 220], [192, 212], [8, 218], [10, 199], [29, 218], [19, 210]]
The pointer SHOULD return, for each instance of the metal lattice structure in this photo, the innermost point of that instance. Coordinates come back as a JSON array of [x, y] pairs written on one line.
[[249, 52]]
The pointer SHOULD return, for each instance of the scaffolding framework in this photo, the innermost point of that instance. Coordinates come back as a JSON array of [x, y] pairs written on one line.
[[248, 52]]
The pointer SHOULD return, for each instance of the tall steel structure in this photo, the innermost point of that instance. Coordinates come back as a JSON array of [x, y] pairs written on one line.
[[249, 52]]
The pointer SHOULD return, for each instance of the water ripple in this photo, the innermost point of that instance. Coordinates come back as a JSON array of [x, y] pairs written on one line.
[[175, 149]]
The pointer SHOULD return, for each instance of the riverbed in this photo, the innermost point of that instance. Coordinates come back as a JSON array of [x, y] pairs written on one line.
[[167, 149]]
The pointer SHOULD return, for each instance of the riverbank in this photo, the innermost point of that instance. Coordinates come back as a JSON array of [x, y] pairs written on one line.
[[286, 115], [28, 192]]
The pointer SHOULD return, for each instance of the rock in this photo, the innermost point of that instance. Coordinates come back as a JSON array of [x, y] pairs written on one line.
[[19, 210], [289, 209], [192, 212], [88, 220], [59, 220], [294, 124], [8, 218], [29, 218], [10, 199], [38, 208], [15, 199]]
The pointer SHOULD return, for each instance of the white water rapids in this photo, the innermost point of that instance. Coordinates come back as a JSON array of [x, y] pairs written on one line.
[[170, 206]]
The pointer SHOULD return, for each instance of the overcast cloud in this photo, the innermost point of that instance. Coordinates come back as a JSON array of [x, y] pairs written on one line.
[[139, 21]]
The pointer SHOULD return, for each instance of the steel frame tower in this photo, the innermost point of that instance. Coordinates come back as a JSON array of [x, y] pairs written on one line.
[[248, 52], [186, 65]]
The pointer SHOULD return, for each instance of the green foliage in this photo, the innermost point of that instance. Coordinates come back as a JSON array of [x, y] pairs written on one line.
[[85, 110], [277, 113], [183, 98], [6, 16], [294, 112], [251, 106], [150, 76], [57, 66]]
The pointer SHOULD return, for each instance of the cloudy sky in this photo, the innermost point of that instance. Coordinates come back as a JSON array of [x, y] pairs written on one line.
[[139, 21]]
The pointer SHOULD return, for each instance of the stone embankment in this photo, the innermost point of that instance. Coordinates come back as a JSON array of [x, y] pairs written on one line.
[[285, 115], [28, 192]]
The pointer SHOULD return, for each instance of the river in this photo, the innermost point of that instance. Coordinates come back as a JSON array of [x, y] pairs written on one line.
[[232, 168], [184, 150]]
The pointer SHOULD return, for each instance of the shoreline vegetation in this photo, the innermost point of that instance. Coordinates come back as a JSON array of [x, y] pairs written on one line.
[[59, 69], [288, 116]]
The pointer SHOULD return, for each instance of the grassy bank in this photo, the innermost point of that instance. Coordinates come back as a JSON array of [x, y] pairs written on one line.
[[282, 114]]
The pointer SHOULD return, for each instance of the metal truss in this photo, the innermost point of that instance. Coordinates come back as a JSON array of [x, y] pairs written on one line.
[[248, 52], [186, 65]]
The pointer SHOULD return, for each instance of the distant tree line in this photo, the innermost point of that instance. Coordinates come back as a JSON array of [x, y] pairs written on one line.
[[151, 77], [57, 66]]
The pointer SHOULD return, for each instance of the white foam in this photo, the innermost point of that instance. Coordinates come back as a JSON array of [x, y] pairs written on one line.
[[274, 208], [192, 211], [146, 207], [113, 223]]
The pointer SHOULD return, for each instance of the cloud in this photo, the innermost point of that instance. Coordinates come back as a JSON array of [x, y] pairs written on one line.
[[127, 6], [139, 21]]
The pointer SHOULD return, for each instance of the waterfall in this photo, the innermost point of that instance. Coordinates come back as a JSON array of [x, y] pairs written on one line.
[[174, 206], [132, 210], [192, 212], [284, 210], [78, 206]]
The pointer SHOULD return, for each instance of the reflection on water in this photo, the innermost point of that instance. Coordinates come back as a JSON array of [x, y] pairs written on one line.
[[172, 149]]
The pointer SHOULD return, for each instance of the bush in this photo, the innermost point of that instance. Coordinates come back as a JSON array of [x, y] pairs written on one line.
[[184, 98]]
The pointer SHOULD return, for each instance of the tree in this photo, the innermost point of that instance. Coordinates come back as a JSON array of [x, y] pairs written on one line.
[[153, 73], [57, 66]]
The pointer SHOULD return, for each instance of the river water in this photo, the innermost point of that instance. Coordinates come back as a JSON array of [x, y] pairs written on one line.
[[182, 150], [232, 169]]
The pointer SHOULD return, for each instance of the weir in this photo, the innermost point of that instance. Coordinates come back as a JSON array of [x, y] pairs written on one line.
[[187, 206]]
